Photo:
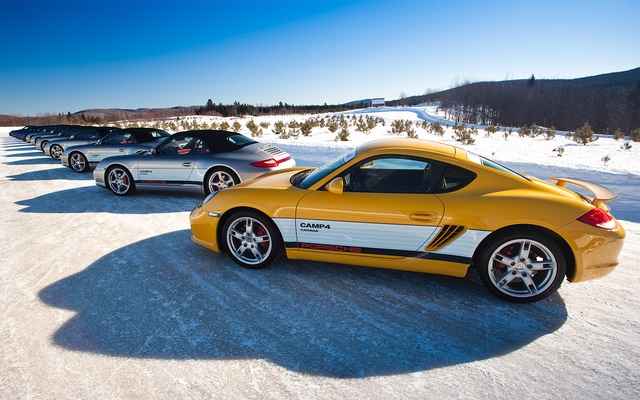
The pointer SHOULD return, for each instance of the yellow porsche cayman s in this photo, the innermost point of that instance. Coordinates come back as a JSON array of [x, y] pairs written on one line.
[[423, 206]]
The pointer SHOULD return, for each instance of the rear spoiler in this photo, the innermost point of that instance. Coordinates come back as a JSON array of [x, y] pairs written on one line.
[[601, 193]]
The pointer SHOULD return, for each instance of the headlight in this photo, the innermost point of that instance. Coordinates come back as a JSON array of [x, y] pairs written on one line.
[[99, 169]]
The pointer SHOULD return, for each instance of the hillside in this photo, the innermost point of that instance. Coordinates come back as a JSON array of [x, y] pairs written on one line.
[[607, 102]]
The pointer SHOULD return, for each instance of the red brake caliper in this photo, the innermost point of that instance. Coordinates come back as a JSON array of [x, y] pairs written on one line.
[[261, 232]]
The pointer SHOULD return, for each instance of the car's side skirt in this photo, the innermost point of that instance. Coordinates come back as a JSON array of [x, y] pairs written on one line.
[[415, 264]]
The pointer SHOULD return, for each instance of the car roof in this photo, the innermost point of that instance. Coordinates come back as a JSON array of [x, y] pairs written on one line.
[[397, 144]]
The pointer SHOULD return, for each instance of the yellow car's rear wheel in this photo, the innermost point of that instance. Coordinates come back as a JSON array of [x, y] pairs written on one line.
[[522, 267], [251, 239]]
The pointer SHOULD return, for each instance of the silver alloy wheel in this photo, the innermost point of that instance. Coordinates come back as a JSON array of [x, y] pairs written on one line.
[[119, 181], [522, 268], [78, 162], [249, 241], [219, 180], [56, 151]]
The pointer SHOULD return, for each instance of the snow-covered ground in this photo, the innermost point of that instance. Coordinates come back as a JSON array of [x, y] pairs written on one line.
[[107, 297]]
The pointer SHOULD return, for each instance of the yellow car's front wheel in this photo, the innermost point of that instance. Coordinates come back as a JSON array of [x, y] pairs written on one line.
[[522, 267], [251, 239]]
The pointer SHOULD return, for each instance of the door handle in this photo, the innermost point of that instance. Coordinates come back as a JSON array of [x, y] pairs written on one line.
[[121, 150], [186, 164], [424, 216]]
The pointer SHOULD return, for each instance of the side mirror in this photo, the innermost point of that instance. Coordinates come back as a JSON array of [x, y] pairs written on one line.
[[153, 151], [336, 186], [368, 164]]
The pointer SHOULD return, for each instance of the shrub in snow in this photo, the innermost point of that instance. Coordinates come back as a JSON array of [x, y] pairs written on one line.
[[306, 127], [550, 133], [255, 130], [584, 135], [618, 134], [524, 131], [294, 129], [463, 135]]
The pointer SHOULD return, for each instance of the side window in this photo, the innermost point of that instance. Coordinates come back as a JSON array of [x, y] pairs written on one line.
[[389, 175], [453, 178], [202, 148], [158, 135], [88, 134], [178, 145], [121, 138]]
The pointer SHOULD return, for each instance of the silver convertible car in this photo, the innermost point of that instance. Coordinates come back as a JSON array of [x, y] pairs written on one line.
[[117, 143], [205, 161], [88, 134]]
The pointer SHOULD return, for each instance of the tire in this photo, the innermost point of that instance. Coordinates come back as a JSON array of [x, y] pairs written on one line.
[[218, 179], [521, 266], [78, 162], [251, 239], [56, 151], [119, 181]]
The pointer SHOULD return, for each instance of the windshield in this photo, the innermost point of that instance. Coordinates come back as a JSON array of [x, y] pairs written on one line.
[[308, 178]]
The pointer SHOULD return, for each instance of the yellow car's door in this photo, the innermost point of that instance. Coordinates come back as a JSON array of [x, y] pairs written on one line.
[[384, 210]]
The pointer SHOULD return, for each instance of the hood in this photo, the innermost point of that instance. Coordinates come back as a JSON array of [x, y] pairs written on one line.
[[277, 179]]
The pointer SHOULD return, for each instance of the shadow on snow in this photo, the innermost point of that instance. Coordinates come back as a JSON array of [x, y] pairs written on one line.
[[94, 199], [167, 298]]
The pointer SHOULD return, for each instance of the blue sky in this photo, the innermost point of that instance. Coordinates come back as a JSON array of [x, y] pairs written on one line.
[[66, 56]]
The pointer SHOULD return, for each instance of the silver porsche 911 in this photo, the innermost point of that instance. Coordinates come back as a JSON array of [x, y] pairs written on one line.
[[117, 143], [205, 161], [88, 134]]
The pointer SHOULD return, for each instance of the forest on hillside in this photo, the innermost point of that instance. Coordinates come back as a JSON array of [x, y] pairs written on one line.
[[606, 102]]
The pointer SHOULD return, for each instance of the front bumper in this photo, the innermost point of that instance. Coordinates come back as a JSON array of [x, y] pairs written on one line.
[[204, 228]]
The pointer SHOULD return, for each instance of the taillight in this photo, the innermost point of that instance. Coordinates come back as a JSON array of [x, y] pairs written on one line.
[[598, 218], [270, 163]]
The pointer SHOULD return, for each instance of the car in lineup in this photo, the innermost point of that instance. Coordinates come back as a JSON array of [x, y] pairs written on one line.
[[25, 130], [415, 205], [39, 131], [204, 161], [120, 142], [88, 134], [62, 131]]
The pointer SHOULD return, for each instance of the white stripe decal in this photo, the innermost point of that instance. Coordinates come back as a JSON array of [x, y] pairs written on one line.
[[379, 236]]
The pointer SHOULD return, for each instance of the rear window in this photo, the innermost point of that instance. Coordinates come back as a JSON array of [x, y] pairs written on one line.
[[492, 164]]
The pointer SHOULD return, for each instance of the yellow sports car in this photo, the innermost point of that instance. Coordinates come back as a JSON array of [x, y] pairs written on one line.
[[423, 206]]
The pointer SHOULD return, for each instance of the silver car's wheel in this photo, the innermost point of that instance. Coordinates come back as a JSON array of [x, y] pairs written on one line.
[[219, 179], [251, 239], [119, 181], [522, 267], [78, 162], [56, 151]]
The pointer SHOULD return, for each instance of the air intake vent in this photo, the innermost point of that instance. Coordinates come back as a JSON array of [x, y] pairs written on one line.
[[447, 234], [272, 150]]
